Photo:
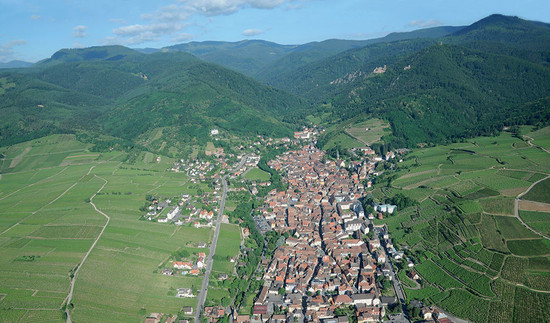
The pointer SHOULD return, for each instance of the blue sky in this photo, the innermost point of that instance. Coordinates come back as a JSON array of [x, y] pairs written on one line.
[[35, 29]]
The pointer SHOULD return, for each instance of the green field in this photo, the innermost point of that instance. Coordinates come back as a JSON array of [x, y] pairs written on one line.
[[463, 232], [368, 132], [47, 225], [256, 174], [539, 192], [229, 242], [539, 221]]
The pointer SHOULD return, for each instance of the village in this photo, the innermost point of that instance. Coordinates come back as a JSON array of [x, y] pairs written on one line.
[[335, 264]]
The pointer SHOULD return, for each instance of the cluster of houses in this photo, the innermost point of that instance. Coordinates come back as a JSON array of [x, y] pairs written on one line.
[[186, 267], [325, 264], [185, 210]]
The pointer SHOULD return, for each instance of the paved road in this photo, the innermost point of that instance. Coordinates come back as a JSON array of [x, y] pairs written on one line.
[[70, 296], [204, 288]]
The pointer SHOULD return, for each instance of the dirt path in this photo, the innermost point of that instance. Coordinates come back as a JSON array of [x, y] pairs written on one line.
[[535, 145], [17, 159], [69, 297]]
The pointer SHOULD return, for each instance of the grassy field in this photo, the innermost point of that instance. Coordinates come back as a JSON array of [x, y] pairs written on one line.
[[256, 174], [47, 225], [229, 242], [463, 231]]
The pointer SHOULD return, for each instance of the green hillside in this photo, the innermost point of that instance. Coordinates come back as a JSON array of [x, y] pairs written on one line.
[[129, 96]]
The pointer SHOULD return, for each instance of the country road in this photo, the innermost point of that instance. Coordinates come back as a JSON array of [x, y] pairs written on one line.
[[70, 296], [206, 279]]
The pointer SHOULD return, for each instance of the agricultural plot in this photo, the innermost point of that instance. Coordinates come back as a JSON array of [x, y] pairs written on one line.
[[541, 137], [511, 228], [47, 225], [229, 242], [498, 206], [369, 131], [539, 192]]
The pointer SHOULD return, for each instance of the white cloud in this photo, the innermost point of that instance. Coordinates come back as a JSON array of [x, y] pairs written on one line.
[[224, 7], [166, 21], [424, 23], [252, 32], [6, 50], [171, 20], [36, 17], [79, 31]]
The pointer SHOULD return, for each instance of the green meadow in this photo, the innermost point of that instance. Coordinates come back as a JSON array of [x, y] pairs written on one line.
[[256, 174], [47, 226], [463, 234]]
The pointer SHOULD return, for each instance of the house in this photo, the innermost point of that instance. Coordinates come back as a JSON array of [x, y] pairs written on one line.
[[222, 277], [173, 212], [343, 299], [162, 220], [426, 313], [368, 299], [260, 310], [413, 275], [187, 310], [168, 272], [182, 265]]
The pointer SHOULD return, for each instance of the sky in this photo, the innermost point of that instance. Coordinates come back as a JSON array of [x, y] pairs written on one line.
[[32, 30]]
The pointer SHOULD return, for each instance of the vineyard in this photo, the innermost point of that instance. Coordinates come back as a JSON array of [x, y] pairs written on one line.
[[476, 260]]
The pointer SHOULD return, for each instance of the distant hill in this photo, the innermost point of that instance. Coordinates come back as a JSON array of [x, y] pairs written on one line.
[[96, 53], [264, 60], [15, 64], [316, 51], [125, 94], [247, 56]]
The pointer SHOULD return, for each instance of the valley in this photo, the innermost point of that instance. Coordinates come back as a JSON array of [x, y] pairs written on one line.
[[402, 179]]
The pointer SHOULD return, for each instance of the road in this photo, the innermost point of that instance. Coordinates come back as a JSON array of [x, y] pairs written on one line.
[[205, 281], [70, 296]]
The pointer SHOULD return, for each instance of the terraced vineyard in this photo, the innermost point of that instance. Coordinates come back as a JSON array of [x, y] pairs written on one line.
[[476, 259]]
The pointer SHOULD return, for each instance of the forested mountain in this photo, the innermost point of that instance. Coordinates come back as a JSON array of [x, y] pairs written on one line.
[[121, 93], [478, 78], [265, 60], [316, 51]]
